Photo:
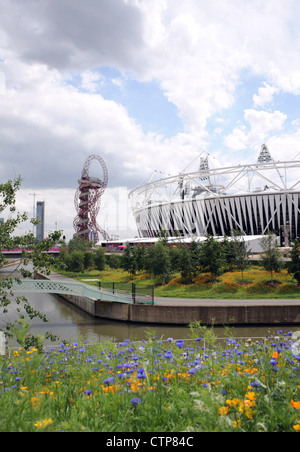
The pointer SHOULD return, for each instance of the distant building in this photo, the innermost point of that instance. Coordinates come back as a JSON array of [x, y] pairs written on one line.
[[40, 214], [252, 198]]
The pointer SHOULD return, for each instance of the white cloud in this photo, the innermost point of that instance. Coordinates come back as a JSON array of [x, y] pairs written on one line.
[[265, 95], [197, 51], [91, 81], [261, 123]]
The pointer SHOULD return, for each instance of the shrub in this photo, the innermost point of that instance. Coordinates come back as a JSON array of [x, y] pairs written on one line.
[[75, 261], [99, 259], [226, 287], [294, 266], [114, 261], [259, 288], [88, 259]]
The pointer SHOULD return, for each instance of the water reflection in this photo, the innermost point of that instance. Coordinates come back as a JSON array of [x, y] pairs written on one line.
[[71, 324]]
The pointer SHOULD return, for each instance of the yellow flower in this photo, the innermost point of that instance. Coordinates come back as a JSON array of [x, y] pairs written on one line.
[[43, 424], [237, 423], [223, 410], [297, 427]]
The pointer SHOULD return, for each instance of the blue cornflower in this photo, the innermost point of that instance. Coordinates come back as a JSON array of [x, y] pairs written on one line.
[[136, 401], [180, 343], [109, 380], [88, 392]]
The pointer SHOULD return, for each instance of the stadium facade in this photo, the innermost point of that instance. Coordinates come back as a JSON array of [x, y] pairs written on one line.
[[252, 198]]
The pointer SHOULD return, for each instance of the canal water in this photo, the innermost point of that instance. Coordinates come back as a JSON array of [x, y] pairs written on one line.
[[71, 324]]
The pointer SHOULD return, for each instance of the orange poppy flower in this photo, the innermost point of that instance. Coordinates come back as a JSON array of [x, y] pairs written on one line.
[[295, 404]]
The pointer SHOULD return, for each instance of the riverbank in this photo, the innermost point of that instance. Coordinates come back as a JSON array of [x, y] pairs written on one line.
[[256, 284], [169, 311]]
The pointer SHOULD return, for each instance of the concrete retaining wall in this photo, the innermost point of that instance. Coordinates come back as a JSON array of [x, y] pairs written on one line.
[[175, 315]]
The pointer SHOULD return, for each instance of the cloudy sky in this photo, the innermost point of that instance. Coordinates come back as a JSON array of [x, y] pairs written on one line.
[[146, 84]]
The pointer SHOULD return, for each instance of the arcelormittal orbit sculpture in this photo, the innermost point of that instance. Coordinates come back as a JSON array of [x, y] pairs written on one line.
[[87, 202]]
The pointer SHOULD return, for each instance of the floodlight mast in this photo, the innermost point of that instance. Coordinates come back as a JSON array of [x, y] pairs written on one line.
[[87, 202]]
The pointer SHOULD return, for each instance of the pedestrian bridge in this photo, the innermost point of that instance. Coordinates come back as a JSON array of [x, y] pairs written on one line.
[[70, 288]]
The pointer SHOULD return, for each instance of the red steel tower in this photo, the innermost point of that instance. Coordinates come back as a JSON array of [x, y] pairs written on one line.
[[87, 202]]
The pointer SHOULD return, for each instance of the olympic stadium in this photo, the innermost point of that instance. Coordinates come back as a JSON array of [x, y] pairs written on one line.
[[253, 198]]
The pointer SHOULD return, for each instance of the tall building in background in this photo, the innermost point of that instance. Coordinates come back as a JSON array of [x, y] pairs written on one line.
[[40, 214]]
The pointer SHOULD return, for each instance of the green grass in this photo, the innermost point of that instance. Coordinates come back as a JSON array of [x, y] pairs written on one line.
[[228, 286], [199, 385]]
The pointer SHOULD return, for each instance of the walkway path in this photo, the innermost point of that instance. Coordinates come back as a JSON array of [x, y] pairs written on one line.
[[161, 301]]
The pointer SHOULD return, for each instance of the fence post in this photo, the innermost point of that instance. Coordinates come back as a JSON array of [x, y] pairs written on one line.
[[99, 285], [133, 292], [113, 287], [153, 295]]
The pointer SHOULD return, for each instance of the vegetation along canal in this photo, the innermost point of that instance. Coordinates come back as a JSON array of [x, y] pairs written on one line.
[[72, 324]]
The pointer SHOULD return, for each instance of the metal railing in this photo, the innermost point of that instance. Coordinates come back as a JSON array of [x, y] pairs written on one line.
[[70, 288], [138, 295]]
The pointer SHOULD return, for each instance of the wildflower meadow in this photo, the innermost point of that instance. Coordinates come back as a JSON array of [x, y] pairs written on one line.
[[200, 384]]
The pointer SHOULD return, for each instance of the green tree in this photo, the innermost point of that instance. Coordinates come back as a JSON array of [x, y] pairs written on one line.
[[212, 257], [129, 262], [88, 259], [185, 265], [100, 259], [79, 244], [174, 254], [33, 254], [230, 253], [158, 261], [195, 249], [271, 256], [140, 256], [237, 252], [294, 265], [113, 261], [75, 261]]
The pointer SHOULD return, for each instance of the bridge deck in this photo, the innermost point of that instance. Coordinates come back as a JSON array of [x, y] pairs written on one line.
[[70, 287]]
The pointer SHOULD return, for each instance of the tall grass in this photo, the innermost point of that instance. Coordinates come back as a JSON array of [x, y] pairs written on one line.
[[154, 386]]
